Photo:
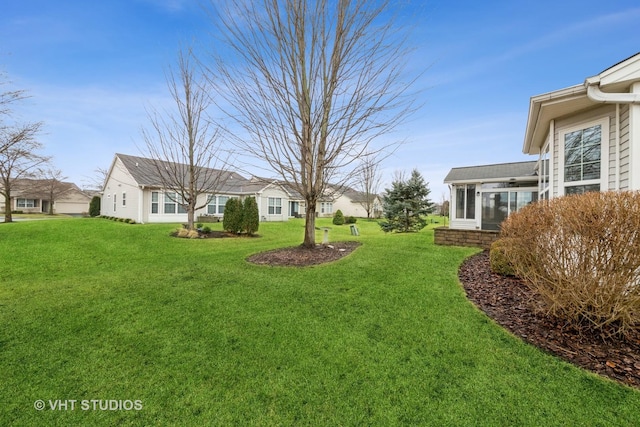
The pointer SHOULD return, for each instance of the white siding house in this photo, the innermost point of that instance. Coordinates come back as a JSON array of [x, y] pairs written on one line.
[[134, 190], [586, 138]]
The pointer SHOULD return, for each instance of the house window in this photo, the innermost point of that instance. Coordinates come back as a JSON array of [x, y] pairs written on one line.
[[275, 206], [326, 207], [154, 202], [27, 203], [173, 203], [216, 204], [124, 199], [466, 201], [583, 157]]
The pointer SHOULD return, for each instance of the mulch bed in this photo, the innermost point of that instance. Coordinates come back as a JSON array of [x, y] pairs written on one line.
[[298, 256], [511, 304]]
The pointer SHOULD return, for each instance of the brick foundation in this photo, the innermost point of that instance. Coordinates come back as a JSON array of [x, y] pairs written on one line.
[[478, 238]]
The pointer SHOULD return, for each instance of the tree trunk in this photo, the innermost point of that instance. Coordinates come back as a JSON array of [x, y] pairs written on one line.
[[190, 216], [7, 209], [310, 226]]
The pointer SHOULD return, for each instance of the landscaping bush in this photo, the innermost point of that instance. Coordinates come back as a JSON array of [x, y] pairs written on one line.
[[338, 218], [581, 255], [94, 206], [232, 220], [206, 229], [350, 220], [250, 216], [498, 261]]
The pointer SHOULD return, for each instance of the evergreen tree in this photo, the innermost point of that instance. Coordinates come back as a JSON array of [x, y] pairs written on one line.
[[406, 204], [338, 218], [94, 206], [250, 216], [232, 220]]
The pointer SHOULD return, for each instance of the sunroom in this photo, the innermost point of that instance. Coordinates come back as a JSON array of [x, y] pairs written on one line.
[[483, 196]]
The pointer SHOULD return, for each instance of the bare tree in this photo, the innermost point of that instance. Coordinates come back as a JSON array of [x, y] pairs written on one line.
[[7, 98], [96, 181], [183, 143], [313, 84], [52, 185], [18, 158], [368, 181]]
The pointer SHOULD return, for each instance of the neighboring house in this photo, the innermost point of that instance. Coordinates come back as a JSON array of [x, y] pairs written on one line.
[[133, 189], [32, 196], [352, 203], [586, 138]]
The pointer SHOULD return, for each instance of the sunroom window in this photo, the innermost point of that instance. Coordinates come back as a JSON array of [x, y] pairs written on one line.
[[466, 201]]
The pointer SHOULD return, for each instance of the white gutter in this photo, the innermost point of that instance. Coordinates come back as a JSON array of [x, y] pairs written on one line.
[[596, 94]]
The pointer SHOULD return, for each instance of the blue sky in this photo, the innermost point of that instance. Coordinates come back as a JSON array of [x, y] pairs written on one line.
[[92, 67]]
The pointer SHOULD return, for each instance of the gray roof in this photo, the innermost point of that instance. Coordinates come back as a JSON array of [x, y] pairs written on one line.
[[146, 172], [503, 171]]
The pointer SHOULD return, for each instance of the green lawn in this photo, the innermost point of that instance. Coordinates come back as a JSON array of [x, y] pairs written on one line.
[[98, 310]]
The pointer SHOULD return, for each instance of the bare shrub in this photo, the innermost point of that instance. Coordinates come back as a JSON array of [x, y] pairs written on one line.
[[497, 259], [581, 255]]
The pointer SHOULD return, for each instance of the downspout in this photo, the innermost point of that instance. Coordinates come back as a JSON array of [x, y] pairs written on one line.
[[617, 186], [551, 165], [594, 93], [141, 205]]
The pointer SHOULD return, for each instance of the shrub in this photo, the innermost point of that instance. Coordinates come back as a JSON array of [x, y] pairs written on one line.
[[498, 260], [206, 229], [94, 206], [192, 234], [250, 216], [581, 255], [182, 232], [232, 220], [350, 220], [338, 218]]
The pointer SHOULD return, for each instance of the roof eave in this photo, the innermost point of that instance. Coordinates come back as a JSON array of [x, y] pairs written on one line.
[[540, 115]]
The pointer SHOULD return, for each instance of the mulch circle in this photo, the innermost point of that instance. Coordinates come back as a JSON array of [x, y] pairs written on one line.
[[299, 256], [511, 304]]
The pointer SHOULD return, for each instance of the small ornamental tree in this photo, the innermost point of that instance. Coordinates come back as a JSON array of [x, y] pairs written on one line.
[[232, 220], [406, 204], [94, 206], [338, 218], [250, 216]]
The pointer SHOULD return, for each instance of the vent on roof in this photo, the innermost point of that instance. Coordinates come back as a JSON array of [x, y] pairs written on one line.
[[136, 164]]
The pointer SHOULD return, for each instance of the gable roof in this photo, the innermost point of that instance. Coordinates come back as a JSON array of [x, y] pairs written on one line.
[[39, 188], [145, 172], [517, 171]]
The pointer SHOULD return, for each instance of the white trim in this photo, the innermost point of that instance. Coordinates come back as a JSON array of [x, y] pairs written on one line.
[[605, 142]]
